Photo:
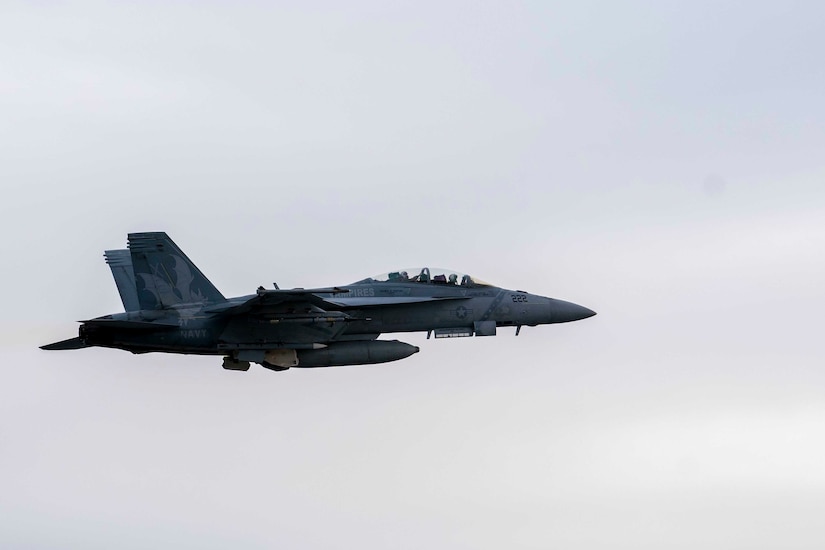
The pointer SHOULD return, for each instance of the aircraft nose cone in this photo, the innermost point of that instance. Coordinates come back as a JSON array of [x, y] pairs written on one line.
[[564, 312]]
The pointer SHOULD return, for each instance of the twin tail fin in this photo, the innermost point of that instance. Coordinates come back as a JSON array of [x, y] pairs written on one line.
[[120, 262], [164, 277]]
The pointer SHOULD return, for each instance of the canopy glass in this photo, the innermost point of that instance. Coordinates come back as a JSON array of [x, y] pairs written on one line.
[[427, 275]]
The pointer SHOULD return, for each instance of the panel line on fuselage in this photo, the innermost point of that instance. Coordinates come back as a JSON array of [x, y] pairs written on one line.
[[493, 305]]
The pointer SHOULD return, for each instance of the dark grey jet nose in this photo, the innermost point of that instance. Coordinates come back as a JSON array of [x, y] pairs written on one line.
[[564, 312]]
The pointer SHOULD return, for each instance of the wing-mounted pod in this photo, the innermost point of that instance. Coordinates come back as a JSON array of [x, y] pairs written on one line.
[[361, 352], [336, 354]]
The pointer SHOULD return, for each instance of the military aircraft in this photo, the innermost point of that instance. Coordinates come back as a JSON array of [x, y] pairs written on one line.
[[172, 307]]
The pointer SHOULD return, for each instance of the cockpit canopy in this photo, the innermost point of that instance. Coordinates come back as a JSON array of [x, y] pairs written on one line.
[[429, 275]]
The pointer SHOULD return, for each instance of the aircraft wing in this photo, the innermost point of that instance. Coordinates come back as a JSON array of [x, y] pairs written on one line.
[[377, 301], [265, 298]]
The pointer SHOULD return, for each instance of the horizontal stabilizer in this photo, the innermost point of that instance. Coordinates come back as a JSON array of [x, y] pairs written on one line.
[[131, 325], [71, 343]]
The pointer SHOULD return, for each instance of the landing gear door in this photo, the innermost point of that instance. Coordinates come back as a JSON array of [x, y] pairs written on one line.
[[485, 328]]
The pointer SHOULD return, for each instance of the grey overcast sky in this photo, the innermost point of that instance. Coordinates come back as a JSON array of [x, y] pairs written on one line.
[[659, 162]]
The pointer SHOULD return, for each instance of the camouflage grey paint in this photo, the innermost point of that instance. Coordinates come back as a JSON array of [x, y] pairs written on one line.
[[165, 277], [120, 262], [180, 311]]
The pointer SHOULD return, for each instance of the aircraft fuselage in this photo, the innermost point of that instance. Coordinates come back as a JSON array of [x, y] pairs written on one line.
[[175, 309]]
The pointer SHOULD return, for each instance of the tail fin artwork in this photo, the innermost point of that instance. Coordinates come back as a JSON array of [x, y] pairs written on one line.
[[120, 262], [164, 276]]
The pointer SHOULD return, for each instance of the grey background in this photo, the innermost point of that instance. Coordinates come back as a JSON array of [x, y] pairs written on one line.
[[659, 162]]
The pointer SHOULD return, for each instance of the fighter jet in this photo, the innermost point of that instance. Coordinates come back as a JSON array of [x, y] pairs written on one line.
[[172, 307]]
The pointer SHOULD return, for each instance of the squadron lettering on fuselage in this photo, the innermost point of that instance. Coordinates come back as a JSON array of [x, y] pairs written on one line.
[[360, 293], [198, 333]]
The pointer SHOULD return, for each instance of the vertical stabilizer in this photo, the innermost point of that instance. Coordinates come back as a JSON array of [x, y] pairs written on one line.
[[120, 262], [164, 276]]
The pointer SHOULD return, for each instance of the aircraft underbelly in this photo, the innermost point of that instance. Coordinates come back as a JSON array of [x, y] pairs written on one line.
[[424, 317], [260, 330]]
